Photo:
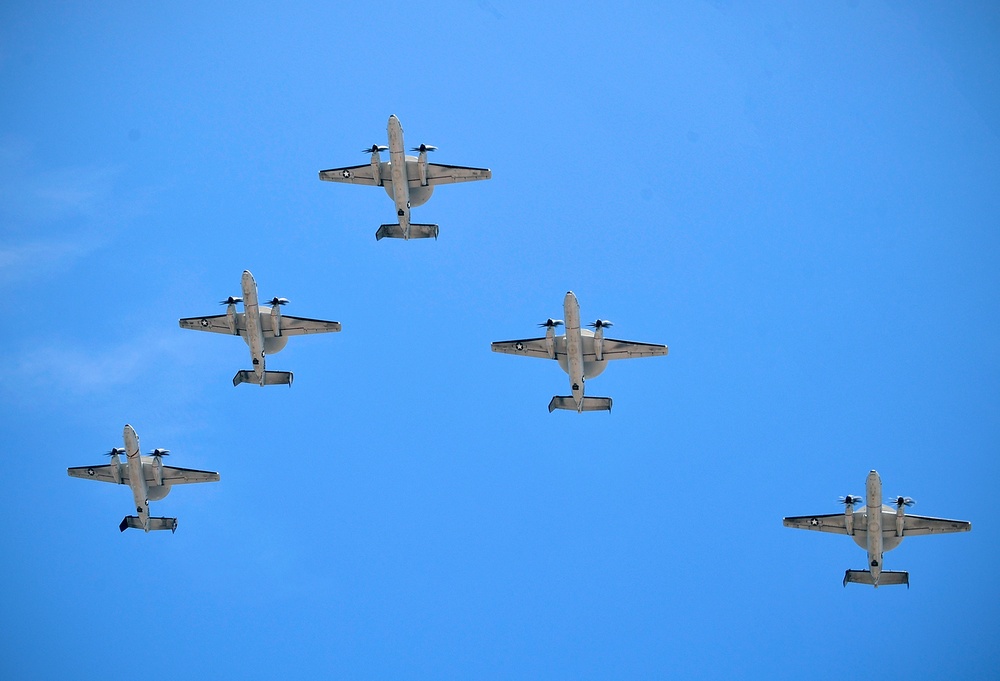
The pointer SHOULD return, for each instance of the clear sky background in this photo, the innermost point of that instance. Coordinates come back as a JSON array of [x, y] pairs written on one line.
[[800, 199]]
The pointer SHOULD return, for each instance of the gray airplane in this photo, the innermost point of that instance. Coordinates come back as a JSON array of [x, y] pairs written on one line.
[[877, 527], [581, 353], [147, 477], [264, 329], [408, 180]]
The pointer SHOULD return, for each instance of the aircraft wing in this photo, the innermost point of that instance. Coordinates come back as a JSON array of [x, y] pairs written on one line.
[[821, 523], [350, 175], [100, 473], [441, 174], [528, 347], [914, 525], [619, 349], [296, 326], [180, 476], [216, 324]]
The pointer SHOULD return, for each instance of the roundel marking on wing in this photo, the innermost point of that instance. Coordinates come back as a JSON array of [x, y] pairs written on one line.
[[204, 322], [90, 471], [346, 173], [814, 522], [519, 346]]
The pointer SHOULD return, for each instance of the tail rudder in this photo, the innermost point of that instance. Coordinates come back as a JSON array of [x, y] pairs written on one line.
[[270, 378], [885, 578], [416, 231], [569, 403], [133, 522]]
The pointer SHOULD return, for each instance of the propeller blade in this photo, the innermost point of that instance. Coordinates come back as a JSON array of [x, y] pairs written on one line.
[[116, 450], [600, 324], [231, 300], [850, 499], [904, 501], [159, 452], [278, 301], [424, 147], [549, 323], [375, 148]]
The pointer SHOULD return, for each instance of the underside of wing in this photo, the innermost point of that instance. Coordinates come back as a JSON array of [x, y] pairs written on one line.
[[296, 326], [100, 473], [442, 174], [529, 347], [833, 522], [215, 324], [350, 175], [914, 525], [621, 349], [180, 476]]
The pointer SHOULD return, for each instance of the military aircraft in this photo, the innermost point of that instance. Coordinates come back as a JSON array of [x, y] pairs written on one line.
[[580, 352], [148, 478], [877, 527], [408, 180], [265, 330]]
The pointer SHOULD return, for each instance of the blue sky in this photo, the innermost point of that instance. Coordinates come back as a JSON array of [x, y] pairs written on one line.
[[800, 199]]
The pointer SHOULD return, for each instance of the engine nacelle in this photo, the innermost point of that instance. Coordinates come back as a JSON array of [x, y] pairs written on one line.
[[157, 467], [377, 166], [116, 468], [276, 320], [231, 319]]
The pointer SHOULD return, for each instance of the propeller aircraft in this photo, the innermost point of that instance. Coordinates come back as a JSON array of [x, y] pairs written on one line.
[[408, 180], [148, 478], [581, 353], [264, 329], [877, 527]]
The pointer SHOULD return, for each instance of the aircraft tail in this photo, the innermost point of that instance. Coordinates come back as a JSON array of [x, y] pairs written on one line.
[[270, 378], [589, 404], [153, 524], [886, 578], [417, 231]]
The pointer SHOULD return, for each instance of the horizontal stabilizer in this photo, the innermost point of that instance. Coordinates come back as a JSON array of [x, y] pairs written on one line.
[[417, 231], [270, 378], [588, 404], [153, 524], [886, 578]]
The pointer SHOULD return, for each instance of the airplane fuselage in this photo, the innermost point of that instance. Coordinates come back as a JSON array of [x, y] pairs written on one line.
[[397, 167], [574, 347], [873, 520], [136, 476], [573, 364], [251, 318]]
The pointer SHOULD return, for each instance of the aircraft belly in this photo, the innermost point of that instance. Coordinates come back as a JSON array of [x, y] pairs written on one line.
[[592, 369], [274, 344], [157, 492], [419, 195]]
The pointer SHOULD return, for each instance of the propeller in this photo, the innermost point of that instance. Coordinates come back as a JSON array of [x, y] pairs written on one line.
[[600, 324], [375, 148], [231, 300], [159, 452], [278, 301], [551, 323], [850, 500], [424, 147], [904, 501], [116, 450]]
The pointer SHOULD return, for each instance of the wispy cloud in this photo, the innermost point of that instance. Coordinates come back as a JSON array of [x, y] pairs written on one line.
[[85, 370], [52, 216]]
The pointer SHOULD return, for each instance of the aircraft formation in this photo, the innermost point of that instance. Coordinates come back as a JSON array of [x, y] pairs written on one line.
[[581, 352]]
